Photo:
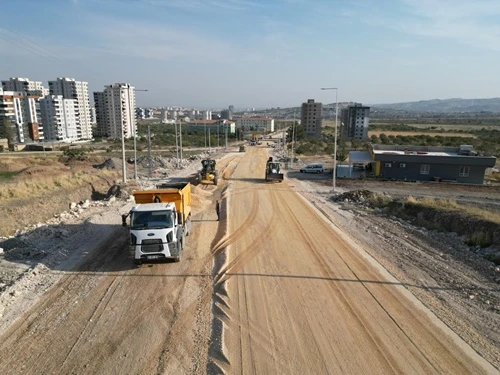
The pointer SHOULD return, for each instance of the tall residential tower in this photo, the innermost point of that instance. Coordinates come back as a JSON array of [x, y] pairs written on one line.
[[312, 117], [69, 88], [355, 121], [115, 111]]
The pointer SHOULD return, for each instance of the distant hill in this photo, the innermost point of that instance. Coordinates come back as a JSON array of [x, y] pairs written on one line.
[[445, 105]]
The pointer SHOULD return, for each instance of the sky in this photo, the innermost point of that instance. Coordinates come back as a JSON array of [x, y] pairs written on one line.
[[258, 53]]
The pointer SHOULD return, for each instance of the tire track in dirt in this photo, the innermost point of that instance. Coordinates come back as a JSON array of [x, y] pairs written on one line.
[[97, 313], [389, 360], [395, 302], [237, 233], [252, 250]]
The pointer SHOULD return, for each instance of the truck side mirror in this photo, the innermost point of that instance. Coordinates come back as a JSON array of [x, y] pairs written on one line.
[[124, 220]]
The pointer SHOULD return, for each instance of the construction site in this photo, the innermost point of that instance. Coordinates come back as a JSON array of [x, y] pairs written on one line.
[[293, 278]]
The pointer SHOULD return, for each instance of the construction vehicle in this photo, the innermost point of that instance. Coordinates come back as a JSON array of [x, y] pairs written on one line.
[[159, 222], [273, 171], [208, 172]]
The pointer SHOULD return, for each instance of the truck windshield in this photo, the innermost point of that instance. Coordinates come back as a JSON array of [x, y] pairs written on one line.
[[150, 220]]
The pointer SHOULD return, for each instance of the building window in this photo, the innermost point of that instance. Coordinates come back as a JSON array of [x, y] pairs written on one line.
[[425, 169], [464, 171]]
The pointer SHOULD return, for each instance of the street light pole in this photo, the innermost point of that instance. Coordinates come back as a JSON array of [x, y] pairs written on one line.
[[135, 144], [180, 139], [176, 144], [124, 167], [293, 137], [335, 144]]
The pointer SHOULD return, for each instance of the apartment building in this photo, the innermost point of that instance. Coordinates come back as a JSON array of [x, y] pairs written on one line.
[[23, 115], [115, 111], [60, 118], [255, 123], [100, 114], [311, 117], [206, 115], [355, 120], [19, 84], [69, 88]]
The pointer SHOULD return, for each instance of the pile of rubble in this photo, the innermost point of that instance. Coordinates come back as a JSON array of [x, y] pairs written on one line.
[[359, 196], [111, 163]]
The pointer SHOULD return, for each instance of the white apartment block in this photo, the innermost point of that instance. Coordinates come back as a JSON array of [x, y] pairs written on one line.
[[60, 118], [22, 112], [69, 88], [24, 85], [115, 111], [255, 123], [206, 115]]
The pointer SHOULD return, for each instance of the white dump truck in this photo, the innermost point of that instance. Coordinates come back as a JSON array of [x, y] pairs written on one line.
[[159, 222]]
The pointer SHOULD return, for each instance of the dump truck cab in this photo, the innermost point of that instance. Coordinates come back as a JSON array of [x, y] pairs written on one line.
[[159, 222], [155, 232]]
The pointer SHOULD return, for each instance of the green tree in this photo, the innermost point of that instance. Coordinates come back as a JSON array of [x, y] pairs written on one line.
[[341, 153], [356, 144], [6, 130]]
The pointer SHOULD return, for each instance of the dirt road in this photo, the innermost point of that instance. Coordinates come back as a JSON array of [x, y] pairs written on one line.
[[109, 317], [289, 294], [295, 297]]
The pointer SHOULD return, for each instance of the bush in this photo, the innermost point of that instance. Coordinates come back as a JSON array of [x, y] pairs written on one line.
[[74, 153]]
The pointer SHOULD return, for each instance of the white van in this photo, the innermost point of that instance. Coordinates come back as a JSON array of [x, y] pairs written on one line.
[[312, 168]]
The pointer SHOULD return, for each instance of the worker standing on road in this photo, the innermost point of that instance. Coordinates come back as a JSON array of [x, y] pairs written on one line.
[[217, 209]]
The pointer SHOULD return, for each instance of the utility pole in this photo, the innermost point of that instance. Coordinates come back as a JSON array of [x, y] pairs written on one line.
[[225, 128], [176, 144], [180, 139], [124, 168], [209, 147], [334, 184], [150, 162], [293, 137], [135, 144]]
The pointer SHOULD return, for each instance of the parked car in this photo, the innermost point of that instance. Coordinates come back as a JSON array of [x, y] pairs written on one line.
[[312, 168]]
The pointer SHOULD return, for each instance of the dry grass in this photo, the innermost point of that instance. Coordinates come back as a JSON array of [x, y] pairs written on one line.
[[449, 204], [408, 133], [39, 185], [443, 127]]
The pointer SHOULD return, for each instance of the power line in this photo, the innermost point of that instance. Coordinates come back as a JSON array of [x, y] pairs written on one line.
[[29, 43]]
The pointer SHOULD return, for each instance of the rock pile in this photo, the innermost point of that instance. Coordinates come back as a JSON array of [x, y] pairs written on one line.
[[107, 164], [355, 196]]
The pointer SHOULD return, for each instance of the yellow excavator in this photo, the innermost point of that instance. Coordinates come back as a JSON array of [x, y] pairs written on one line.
[[208, 172], [273, 171]]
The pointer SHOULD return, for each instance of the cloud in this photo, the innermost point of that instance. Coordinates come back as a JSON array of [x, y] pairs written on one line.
[[162, 42], [205, 5], [467, 22]]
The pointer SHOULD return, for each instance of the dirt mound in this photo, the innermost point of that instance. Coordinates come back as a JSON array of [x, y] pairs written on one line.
[[107, 164]]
